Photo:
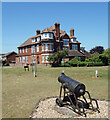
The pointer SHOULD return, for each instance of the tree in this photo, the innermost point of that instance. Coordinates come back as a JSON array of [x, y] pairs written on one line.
[[74, 62], [94, 58], [105, 56], [98, 49], [57, 57]]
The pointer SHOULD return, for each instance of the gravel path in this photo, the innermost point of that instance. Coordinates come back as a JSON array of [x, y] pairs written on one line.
[[47, 108]]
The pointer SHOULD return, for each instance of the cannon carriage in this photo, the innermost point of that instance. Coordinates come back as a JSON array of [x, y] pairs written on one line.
[[74, 95]]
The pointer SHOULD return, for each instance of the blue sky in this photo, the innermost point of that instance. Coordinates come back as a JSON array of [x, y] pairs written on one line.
[[20, 21]]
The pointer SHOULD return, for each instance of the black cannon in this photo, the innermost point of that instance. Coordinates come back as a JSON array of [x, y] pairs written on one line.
[[74, 96]]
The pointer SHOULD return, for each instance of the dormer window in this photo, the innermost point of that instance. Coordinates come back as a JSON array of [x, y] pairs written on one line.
[[38, 39], [50, 35], [65, 42], [33, 39], [74, 47], [73, 40], [47, 36], [82, 50]]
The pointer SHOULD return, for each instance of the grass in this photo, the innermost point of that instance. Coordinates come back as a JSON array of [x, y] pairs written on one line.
[[21, 91]]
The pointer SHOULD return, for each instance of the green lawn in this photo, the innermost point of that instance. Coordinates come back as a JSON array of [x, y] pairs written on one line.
[[21, 90]]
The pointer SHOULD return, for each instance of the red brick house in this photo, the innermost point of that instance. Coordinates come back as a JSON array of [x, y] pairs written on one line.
[[10, 57], [39, 47]]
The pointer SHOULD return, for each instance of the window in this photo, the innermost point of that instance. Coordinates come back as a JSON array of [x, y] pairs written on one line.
[[26, 59], [23, 50], [74, 47], [42, 58], [20, 50], [33, 49], [82, 49], [74, 40], [50, 35], [23, 58], [46, 47], [38, 39], [50, 46], [45, 34], [33, 39], [37, 48], [65, 42], [46, 57], [26, 49]]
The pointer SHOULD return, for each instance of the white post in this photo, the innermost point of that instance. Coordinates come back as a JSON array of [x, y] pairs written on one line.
[[96, 73]]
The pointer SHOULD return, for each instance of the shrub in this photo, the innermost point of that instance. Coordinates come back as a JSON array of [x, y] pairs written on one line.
[[98, 64], [74, 62], [65, 65]]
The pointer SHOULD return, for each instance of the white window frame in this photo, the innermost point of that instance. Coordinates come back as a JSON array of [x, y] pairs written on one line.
[[38, 39], [33, 39], [46, 47], [26, 59], [18, 59], [33, 49], [20, 50], [23, 50], [26, 49], [42, 58], [50, 46], [23, 59], [46, 57], [42, 47], [37, 48]]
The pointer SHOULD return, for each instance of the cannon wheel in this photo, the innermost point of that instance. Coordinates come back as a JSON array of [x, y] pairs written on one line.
[[59, 102]]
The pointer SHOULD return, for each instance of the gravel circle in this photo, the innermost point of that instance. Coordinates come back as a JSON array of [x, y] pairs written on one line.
[[47, 108]]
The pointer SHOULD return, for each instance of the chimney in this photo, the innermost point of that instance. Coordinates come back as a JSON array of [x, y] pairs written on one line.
[[72, 32], [37, 32], [57, 29]]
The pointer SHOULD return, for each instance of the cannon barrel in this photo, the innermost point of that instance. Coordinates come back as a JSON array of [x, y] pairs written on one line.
[[72, 85]]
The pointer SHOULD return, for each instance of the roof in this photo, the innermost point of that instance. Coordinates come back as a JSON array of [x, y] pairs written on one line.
[[28, 41], [9, 53], [86, 53], [50, 29], [73, 53]]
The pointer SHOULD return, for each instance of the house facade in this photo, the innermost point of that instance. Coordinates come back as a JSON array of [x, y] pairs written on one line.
[[39, 47], [10, 57]]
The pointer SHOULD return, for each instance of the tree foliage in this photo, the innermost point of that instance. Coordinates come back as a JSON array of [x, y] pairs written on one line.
[[74, 62], [57, 57], [98, 49]]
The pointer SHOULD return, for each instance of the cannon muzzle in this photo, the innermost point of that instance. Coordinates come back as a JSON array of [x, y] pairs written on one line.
[[74, 86]]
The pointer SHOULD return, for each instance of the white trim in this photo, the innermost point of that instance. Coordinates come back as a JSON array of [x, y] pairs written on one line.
[[46, 54], [66, 39], [45, 62]]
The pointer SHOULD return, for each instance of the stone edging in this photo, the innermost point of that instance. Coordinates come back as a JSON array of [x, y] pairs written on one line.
[[42, 99]]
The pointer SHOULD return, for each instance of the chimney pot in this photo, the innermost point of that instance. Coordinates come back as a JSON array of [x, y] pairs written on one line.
[[37, 32], [72, 32]]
